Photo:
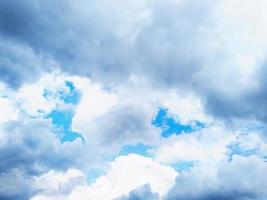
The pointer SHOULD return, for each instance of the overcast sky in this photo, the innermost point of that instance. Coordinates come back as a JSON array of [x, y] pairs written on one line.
[[133, 100]]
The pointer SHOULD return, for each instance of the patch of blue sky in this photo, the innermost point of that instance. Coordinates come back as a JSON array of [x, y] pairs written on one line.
[[140, 149], [236, 149], [94, 174], [69, 96], [171, 126], [183, 165], [62, 121], [73, 96], [47, 93]]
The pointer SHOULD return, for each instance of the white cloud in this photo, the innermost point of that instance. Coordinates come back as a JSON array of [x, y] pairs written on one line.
[[207, 146], [185, 105], [198, 59], [31, 97], [112, 118], [125, 174], [8, 110], [242, 178], [53, 182], [95, 102]]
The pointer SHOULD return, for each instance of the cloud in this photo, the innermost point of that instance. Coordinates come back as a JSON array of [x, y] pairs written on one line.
[[126, 173], [24, 151], [206, 146], [178, 44], [15, 57], [16, 184], [75, 38], [242, 178], [136, 41], [126, 60], [143, 192], [54, 182], [94, 103], [9, 112], [110, 119]]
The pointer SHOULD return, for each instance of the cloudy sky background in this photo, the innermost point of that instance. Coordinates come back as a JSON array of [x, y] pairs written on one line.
[[133, 100]]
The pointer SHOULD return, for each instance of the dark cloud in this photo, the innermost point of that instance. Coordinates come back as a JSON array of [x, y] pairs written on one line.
[[18, 63], [121, 125], [240, 179], [237, 102], [27, 143], [84, 40], [15, 184], [34, 23], [77, 39], [28, 149], [141, 193], [168, 43]]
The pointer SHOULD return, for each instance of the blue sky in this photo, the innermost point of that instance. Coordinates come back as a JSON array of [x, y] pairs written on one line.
[[171, 126], [62, 119], [149, 99]]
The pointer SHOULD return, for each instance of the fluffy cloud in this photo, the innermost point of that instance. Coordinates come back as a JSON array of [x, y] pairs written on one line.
[[208, 145], [170, 43], [29, 145], [14, 58], [125, 174], [9, 112], [29, 148], [134, 177], [242, 178], [111, 119], [143, 192], [125, 61]]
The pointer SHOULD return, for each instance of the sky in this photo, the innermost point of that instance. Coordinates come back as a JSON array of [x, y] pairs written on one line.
[[133, 100]]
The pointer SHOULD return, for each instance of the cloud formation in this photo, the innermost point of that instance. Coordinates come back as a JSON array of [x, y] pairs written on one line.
[[170, 43], [80, 82], [223, 183]]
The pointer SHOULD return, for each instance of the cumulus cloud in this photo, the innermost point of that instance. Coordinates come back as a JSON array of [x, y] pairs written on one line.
[[14, 58], [29, 145], [242, 178], [126, 60], [208, 145], [126, 173], [170, 43], [143, 192], [9, 112], [29, 148], [110, 118]]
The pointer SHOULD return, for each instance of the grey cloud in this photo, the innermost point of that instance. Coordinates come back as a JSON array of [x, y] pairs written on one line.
[[242, 178], [122, 125], [85, 38], [18, 63], [28, 149], [235, 102], [141, 193], [168, 46], [81, 41], [162, 41], [31, 144], [15, 184], [168, 43]]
